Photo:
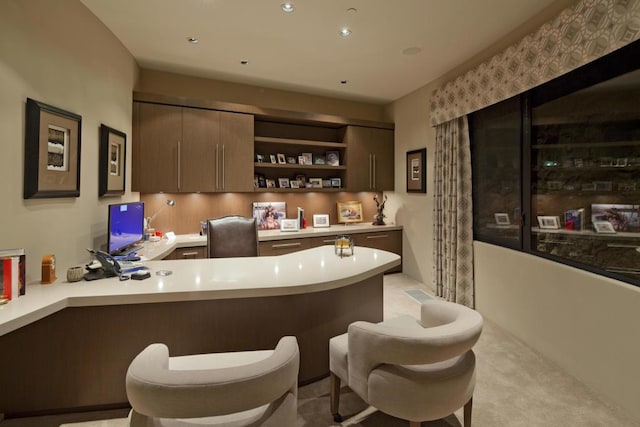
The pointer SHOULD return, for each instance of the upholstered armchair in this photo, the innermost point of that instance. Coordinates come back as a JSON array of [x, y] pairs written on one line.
[[417, 370], [232, 236], [252, 388]]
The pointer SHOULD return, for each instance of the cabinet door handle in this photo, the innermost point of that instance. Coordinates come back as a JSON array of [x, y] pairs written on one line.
[[285, 245], [222, 167], [374, 172], [370, 171], [217, 168], [329, 241], [179, 156], [380, 236], [187, 254]]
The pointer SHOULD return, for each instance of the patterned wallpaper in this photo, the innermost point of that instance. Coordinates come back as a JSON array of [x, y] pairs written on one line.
[[579, 34]]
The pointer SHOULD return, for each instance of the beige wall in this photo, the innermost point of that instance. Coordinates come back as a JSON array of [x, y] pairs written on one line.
[[60, 54]]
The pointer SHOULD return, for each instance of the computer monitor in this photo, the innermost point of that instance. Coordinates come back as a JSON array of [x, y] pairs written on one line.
[[125, 227]]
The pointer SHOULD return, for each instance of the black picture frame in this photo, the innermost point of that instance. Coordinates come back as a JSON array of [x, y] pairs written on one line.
[[113, 160], [52, 152], [416, 171]]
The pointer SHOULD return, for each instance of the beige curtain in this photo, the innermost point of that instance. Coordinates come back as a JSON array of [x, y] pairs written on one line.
[[453, 215]]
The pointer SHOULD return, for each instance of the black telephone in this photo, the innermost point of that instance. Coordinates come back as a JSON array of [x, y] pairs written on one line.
[[109, 266]]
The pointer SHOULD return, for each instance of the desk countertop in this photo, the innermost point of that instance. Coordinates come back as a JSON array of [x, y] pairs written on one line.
[[306, 271]]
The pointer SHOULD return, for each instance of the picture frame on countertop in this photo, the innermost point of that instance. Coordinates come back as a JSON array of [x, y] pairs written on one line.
[[269, 214], [112, 168], [549, 222], [52, 152], [288, 224], [321, 221], [349, 212]]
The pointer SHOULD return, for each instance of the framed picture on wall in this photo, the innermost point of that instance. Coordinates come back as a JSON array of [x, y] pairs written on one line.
[[113, 148], [416, 171]]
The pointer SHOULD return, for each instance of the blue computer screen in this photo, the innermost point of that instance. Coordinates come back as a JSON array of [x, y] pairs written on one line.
[[125, 227]]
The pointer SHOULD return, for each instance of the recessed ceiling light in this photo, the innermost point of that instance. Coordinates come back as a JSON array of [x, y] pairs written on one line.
[[244, 62], [345, 32], [192, 40], [344, 82], [287, 7]]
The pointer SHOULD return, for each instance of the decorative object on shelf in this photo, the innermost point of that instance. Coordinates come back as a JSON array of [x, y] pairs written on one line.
[[332, 158], [262, 183], [318, 160], [269, 214], [307, 159], [549, 222], [48, 269], [502, 218], [291, 160], [283, 182], [295, 183], [271, 183], [326, 183], [321, 221], [574, 219], [603, 227], [281, 159], [416, 171], [621, 217], [302, 179], [52, 152], [343, 246], [349, 212], [149, 219], [336, 182], [378, 219], [259, 158], [315, 182], [113, 154], [75, 274], [273, 158], [288, 224]]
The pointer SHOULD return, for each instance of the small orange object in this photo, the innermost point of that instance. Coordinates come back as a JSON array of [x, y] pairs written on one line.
[[48, 269]]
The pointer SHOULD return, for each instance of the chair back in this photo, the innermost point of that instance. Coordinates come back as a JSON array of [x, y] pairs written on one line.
[[232, 236]]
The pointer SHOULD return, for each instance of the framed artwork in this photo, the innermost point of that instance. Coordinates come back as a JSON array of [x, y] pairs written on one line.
[[271, 183], [603, 227], [549, 222], [333, 158], [273, 158], [502, 218], [283, 182], [349, 212], [269, 214], [294, 183], [52, 152], [416, 171], [282, 159], [113, 149], [291, 160], [259, 158], [288, 225], [336, 182], [320, 220], [315, 182], [306, 159]]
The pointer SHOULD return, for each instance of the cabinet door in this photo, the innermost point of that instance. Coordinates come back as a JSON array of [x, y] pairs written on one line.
[[196, 252], [236, 152], [198, 150], [390, 241], [158, 131], [370, 159]]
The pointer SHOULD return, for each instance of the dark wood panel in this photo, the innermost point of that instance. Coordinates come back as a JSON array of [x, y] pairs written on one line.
[[77, 358], [281, 247]]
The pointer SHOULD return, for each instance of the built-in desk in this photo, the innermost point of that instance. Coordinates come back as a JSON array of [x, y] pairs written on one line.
[[68, 345]]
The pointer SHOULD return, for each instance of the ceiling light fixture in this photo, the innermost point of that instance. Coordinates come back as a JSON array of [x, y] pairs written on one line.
[[287, 7], [244, 62], [344, 82], [192, 40], [345, 32]]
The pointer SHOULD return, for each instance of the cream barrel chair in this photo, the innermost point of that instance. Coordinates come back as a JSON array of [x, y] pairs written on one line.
[[251, 388], [417, 370]]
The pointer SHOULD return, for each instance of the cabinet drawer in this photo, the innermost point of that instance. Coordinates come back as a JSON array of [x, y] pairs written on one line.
[[390, 241], [322, 241], [196, 252], [285, 246]]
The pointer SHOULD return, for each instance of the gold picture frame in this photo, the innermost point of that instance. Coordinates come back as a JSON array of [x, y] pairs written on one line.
[[112, 168], [52, 152], [349, 212]]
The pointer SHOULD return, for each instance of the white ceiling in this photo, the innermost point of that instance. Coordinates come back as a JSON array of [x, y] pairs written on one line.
[[302, 51]]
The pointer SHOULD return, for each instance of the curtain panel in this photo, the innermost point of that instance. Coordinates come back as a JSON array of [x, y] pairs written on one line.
[[453, 214]]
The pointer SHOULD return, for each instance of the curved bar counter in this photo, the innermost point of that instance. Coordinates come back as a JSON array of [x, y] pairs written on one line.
[[67, 346]]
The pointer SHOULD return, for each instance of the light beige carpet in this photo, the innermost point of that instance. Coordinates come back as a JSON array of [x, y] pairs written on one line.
[[516, 387]]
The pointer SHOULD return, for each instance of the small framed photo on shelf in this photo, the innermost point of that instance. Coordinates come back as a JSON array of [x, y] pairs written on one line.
[[349, 212], [603, 227], [502, 218], [294, 183], [282, 159], [627, 186], [603, 185], [320, 221], [283, 183], [271, 183], [333, 158], [259, 158], [326, 183], [273, 158], [589, 186], [315, 182], [288, 225], [318, 160], [549, 222], [306, 159], [291, 160], [336, 182]]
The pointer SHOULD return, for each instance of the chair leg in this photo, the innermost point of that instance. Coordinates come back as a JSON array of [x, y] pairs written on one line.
[[335, 397], [467, 413]]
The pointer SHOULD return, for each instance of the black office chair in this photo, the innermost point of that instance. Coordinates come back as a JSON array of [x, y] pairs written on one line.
[[232, 236]]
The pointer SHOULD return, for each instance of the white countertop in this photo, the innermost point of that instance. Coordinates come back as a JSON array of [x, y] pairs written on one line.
[[162, 248], [310, 270]]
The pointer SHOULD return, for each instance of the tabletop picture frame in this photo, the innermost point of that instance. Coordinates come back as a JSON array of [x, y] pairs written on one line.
[[349, 212], [52, 151], [321, 221], [112, 168], [549, 222], [603, 227], [416, 171]]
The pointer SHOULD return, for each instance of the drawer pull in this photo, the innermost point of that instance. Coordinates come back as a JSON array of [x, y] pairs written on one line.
[[286, 245], [185, 254], [329, 241], [382, 236]]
